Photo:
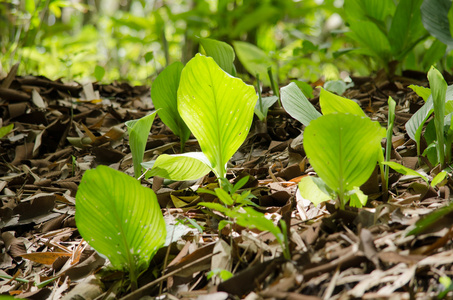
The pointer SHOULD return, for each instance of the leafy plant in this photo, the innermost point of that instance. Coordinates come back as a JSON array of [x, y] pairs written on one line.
[[235, 206], [440, 102], [120, 219], [138, 135], [164, 96], [385, 41], [343, 149], [263, 104], [297, 105], [388, 143], [218, 109]]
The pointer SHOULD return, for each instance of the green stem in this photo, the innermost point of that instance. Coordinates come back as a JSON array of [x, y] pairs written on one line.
[[273, 85], [258, 88]]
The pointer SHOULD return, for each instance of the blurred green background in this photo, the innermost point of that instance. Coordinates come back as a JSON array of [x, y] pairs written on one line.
[[133, 40]]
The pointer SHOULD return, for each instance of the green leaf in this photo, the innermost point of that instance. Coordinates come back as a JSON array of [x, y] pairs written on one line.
[[434, 54], [337, 86], [415, 124], [435, 19], [331, 103], [99, 72], [217, 108], [149, 56], [439, 178], [377, 10], [343, 149], [305, 88], [421, 91], [439, 89], [371, 38], [297, 105], [357, 198], [222, 53], [185, 166], [255, 60], [138, 136], [6, 129], [404, 170], [267, 102], [164, 96], [119, 218], [311, 191], [406, 29]]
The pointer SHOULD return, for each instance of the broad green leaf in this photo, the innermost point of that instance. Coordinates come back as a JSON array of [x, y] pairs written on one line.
[[439, 178], [222, 53], [266, 102], [337, 86], [421, 91], [186, 166], [450, 20], [376, 10], [138, 136], [370, 37], [343, 149], [305, 88], [309, 190], [331, 103], [164, 96], [438, 88], [217, 108], [404, 170], [435, 19], [406, 29], [255, 60], [119, 218], [297, 105], [6, 129]]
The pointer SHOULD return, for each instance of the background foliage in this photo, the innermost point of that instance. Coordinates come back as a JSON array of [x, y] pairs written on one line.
[[135, 39]]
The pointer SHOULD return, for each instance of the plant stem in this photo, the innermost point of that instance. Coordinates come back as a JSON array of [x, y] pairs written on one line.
[[273, 85], [258, 88]]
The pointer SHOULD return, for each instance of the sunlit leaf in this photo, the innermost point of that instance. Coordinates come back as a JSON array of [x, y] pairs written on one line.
[[119, 218], [439, 178], [99, 72], [164, 96], [343, 149], [6, 129], [217, 108], [297, 105], [309, 190], [186, 166], [138, 136], [421, 91], [331, 103]]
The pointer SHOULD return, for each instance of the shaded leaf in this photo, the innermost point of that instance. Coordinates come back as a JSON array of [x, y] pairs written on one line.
[[297, 105], [222, 53]]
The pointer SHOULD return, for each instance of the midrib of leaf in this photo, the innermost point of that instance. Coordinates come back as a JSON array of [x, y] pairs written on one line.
[[341, 179]]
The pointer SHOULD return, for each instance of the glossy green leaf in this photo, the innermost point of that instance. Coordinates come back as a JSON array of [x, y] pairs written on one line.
[[6, 129], [186, 166], [406, 29], [164, 96], [404, 170], [435, 19], [222, 53], [343, 149], [138, 136], [331, 103], [438, 91], [309, 190], [421, 91], [266, 102], [119, 218], [297, 105], [255, 60], [217, 108]]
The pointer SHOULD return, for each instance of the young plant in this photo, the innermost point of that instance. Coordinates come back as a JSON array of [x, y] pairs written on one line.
[[138, 136], [437, 136], [235, 207], [263, 104], [120, 219], [218, 109], [388, 144], [343, 149], [164, 96], [369, 27]]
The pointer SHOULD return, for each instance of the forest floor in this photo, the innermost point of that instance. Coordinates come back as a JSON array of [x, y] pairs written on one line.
[[61, 130]]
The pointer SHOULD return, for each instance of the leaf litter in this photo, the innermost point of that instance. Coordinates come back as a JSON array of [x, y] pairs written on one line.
[[61, 130]]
